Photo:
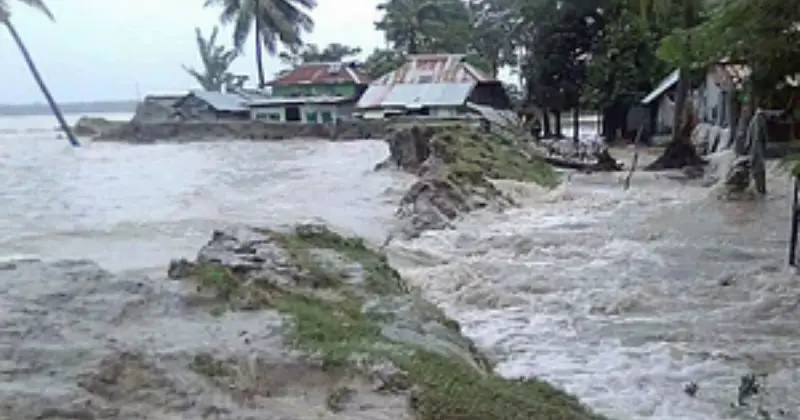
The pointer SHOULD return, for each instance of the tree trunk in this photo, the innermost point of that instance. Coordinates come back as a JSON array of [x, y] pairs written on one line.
[[546, 127], [262, 81], [733, 126], [557, 124], [609, 127], [50, 101], [681, 95], [412, 43], [740, 135], [680, 152], [576, 124]]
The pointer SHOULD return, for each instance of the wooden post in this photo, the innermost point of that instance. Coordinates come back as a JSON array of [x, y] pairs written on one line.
[[795, 222]]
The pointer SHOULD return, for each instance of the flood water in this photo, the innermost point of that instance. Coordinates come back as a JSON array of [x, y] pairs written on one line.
[[621, 297]]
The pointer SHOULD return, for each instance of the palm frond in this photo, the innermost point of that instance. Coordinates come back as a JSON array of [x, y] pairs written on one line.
[[5, 9], [40, 6], [243, 19]]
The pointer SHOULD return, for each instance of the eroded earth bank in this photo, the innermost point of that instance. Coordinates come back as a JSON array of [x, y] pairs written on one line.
[[270, 324]]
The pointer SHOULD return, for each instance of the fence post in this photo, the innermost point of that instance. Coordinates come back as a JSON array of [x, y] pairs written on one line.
[[795, 221]]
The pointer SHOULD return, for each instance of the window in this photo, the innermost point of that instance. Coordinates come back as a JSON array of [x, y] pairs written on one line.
[[311, 117], [292, 113], [426, 78], [325, 116], [274, 117]]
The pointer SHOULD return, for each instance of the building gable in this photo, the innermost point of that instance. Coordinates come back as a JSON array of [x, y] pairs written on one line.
[[322, 74], [434, 68], [439, 80]]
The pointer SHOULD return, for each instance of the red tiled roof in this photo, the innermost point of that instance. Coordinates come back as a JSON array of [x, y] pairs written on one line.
[[322, 73]]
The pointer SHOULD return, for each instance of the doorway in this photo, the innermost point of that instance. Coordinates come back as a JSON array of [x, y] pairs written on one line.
[[293, 113]]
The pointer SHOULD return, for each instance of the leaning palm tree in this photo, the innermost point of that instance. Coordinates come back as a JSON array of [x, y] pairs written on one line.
[[5, 18], [276, 22]]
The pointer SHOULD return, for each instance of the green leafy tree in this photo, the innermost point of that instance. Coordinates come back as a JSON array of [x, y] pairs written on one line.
[[422, 26], [312, 53], [382, 61], [276, 22], [216, 60], [686, 14], [558, 38], [5, 19], [492, 25], [624, 61]]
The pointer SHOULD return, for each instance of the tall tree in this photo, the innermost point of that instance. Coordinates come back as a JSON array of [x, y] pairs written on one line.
[[624, 62], [311, 53], [558, 38], [276, 22], [5, 18], [216, 60], [492, 26], [417, 26], [680, 151]]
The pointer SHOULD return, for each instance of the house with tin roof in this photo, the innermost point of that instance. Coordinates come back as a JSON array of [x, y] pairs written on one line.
[[210, 106], [312, 93], [435, 85]]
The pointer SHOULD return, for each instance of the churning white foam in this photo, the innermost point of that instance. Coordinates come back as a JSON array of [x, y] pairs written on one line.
[[615, 295]]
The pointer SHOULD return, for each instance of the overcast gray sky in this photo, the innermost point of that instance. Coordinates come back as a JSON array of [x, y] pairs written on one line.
[[103, 49]]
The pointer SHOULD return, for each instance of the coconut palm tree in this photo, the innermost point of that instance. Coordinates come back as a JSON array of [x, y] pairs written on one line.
[[276, 22], [5, 19], [216, 60], [407, 24]]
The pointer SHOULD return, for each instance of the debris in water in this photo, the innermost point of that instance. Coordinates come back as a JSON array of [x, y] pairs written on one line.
[[748, 387], [690, 389]]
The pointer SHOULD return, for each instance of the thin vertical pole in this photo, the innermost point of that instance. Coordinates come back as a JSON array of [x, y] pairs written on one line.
[[795, 221]]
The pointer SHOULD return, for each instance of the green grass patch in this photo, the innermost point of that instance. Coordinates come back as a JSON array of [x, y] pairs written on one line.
[[472, 154], [380, 277], [450, 389], [334, 331]]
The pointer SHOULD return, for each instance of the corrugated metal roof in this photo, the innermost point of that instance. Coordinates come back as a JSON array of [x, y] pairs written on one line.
[[322, 73], [297, 100], [434, 68], [415, 95], [222, 101], [668, 82]]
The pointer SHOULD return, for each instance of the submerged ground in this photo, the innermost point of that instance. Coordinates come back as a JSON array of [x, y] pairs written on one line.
[[621, 297]]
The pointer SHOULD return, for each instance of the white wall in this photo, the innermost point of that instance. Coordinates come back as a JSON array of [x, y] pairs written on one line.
[[444, 112], [665, 114], [307, 113], [711, 102], [268, 114]]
